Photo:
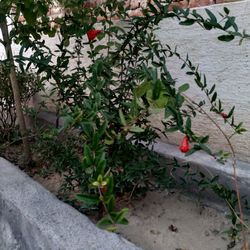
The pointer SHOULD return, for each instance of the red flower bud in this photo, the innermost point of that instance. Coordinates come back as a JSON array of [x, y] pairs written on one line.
[[224, 115], [104, 189], [92, 34], [184, 147]]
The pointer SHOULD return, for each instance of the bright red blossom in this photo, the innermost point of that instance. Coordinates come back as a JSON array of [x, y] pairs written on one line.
[[224, 115], [104, 189], [92, 34], [184, 147]]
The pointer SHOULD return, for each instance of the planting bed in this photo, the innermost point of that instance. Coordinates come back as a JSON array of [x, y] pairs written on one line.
[[179, 219], [175, 221], [162, 220], [171, 220]]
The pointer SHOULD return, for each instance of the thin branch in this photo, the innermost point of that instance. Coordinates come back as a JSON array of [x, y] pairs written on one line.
[[234, 165], [105, 207]]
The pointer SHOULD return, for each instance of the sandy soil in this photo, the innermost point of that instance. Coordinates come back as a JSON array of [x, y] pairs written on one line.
[[169, 221], [52, 182], [164, 221]]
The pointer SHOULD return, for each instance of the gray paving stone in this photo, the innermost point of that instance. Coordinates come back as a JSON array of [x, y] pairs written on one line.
[[32, 218]]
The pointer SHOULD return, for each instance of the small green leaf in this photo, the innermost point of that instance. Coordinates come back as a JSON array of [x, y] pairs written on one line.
[[241, 130], [96, 184], [188, 123], [204, 139], [159, 103], [98, 48], [230, 22], [142, 89], [207, 25], [183, 87], [191, 151], [89, 170], [110, 185], [87, 154], [110, 203], [226, 10], [179, 100], [89, 200], [122, 118], [231, 112], [214, 97], [111, 228], [226, 38], [205, 148], [123, 221], [187, 22], [157, 89], [212, 89], [156, 64], [183, 66], [136, 129], [66, 42], [172, 129], [104, 222], [190, 73], [152, 8], [100, 167], [211, 16], [121, 215], [109, 142]]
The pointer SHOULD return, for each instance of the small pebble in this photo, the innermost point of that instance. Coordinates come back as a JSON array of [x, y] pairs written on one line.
[[207, 233]]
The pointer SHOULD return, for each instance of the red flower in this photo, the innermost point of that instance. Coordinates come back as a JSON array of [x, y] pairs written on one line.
[[104, 189], [224, 115], [92, 34], [184, 147]]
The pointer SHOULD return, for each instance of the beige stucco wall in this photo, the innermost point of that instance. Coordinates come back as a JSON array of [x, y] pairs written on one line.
[[225, 64]]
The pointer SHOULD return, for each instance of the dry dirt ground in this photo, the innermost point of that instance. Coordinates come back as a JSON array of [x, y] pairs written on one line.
[[170, 221], [174, 221]]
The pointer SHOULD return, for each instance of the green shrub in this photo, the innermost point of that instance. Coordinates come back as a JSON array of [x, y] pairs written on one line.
[[109, 102], [29, 86]]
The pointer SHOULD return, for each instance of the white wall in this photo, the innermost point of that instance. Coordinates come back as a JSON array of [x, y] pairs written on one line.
[[225, 64]]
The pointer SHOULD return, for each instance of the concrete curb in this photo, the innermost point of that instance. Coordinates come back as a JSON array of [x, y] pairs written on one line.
[[200, 161], [32, 218]]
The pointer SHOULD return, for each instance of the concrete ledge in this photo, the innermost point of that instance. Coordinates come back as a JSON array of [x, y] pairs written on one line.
[[32, 218], [200, 161]]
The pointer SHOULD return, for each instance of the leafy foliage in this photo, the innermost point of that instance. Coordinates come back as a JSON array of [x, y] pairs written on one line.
[[108, 102], [29, 85]]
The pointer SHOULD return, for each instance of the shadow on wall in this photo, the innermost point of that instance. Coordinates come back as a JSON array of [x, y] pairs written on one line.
[[225, 64]]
